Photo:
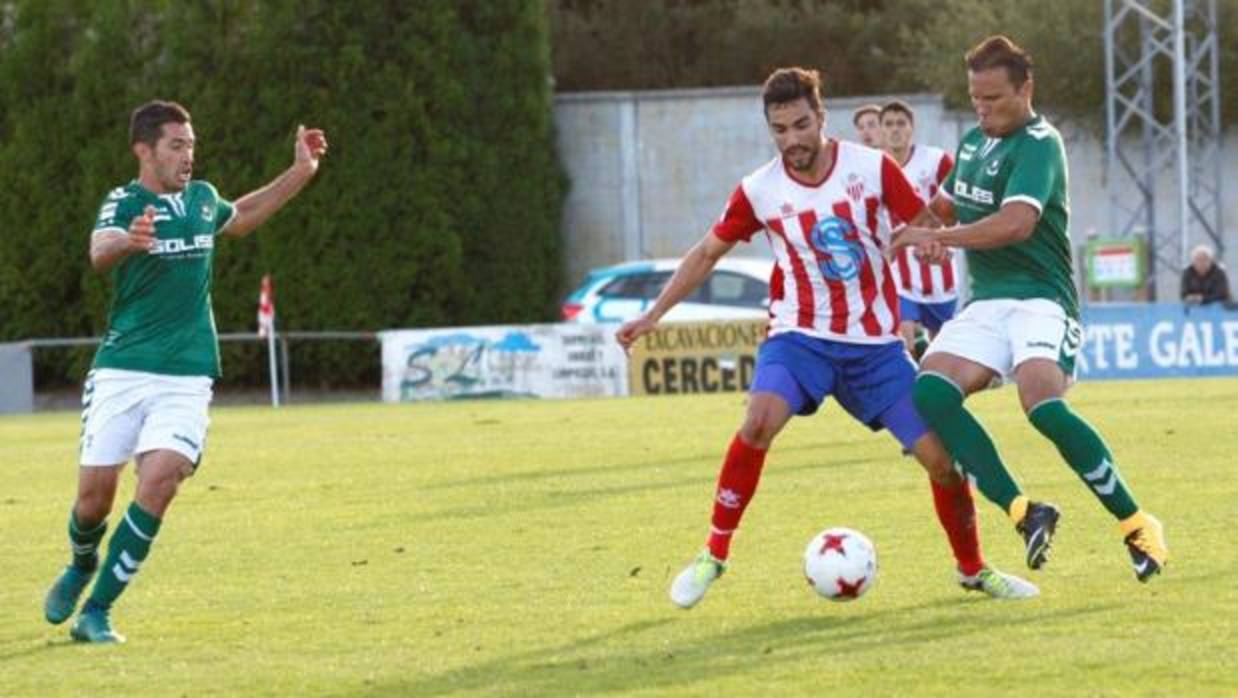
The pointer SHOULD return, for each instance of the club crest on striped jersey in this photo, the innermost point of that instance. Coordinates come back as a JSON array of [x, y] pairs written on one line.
[[838, 246], [855, 187]]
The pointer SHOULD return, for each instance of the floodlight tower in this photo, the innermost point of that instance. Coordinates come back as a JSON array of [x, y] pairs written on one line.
[[1149, 135]]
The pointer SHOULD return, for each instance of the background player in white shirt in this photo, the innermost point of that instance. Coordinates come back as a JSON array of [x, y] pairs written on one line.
[[867, 122], [928, 292]]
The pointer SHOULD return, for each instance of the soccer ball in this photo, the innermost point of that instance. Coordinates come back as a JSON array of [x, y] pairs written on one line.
[[840, 564]]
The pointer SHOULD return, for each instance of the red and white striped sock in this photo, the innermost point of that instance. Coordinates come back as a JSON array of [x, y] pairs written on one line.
[[737, 482]]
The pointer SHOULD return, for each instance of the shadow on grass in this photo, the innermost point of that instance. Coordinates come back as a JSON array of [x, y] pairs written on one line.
[[563, 495], [43, 648], [619, 661], [560, 473]]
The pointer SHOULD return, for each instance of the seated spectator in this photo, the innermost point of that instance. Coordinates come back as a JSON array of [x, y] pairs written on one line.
[[1204, 281]]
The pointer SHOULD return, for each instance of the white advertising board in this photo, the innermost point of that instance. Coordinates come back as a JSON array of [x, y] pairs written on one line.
[[544, 361]]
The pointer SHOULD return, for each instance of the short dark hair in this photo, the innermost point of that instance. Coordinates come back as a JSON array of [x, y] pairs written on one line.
[[789, 84], [898, 105], [146, 122], [999, 51], [861, 111]]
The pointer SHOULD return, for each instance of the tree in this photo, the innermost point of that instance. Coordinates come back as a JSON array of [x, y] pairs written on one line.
[[623, 45], [863, 48], [1062, 36], [438, 205]]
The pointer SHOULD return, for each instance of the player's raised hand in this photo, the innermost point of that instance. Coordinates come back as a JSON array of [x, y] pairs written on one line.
[[142, 231], [311, 146], [633, 330]]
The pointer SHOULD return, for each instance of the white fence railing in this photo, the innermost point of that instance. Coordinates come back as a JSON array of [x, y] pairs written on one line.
[[17, 388]]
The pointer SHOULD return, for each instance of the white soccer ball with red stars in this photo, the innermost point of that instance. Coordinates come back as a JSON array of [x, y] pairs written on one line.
[[840, 564]]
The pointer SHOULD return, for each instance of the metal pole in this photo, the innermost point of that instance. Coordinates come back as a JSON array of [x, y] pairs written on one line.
[[1151, 163], [1180, 128], [271, 364], [283, 347], [1111, 126], [1215, 133], [1111, 153]]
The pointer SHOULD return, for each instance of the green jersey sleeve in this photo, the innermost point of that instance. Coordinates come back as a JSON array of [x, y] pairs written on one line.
[[225, 211], [1038, 169], [117, 211]]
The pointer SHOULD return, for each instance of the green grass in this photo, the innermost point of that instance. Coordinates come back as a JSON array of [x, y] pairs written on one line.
[[525, 549]]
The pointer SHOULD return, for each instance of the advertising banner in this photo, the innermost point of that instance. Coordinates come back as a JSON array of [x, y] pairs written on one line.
[[696, 357], [544, 361], [1121, 341], [1146, 340]]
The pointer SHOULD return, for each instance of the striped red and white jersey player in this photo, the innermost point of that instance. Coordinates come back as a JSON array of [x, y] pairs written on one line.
[[830, 279], [920, 281]]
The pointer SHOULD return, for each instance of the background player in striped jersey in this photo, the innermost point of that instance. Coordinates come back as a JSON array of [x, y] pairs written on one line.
[[833, 325], [927, 291], [867, 122], [1008, 193], [148, 391]]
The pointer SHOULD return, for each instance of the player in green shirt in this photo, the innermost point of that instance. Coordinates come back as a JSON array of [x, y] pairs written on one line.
[[1007, 201], [147, 394]]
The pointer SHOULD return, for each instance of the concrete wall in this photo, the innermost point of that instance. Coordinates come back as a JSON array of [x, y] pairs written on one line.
[[16, 379], [651, 171]]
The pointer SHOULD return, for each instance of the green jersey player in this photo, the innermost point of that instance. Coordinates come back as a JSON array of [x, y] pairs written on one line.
[[146, 396], [1007, 197]]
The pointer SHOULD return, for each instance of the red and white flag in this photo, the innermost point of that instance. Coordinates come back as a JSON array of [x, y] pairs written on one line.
[[266, 308]]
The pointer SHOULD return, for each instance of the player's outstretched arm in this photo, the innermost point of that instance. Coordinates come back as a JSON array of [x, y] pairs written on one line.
[[693, 269], [109, 247], [1014, 222], [254, 208]]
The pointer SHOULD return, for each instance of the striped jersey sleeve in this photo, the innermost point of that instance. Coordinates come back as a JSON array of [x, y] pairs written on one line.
[[898, 195], [738, 221]]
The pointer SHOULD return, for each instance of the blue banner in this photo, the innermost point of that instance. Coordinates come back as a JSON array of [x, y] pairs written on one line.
[[1144, 340]]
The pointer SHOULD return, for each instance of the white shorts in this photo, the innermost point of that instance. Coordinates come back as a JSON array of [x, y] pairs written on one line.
[[1002, 334], [131, 412]]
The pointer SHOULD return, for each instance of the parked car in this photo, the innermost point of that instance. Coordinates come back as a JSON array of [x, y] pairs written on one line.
[[737, 288]]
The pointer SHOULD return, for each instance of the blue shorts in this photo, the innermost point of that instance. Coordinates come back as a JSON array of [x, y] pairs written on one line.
[[931, 315], [871, 382]]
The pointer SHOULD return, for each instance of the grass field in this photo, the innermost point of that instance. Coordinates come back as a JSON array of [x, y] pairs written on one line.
[[525, 549]]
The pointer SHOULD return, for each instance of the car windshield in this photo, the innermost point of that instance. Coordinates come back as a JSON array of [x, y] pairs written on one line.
[[645, 286], [729, 288]]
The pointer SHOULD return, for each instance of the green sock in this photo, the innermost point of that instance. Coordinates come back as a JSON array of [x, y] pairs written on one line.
[[84, 542], [921, 346], [125, 552], [1086, 453], [940, 403]]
